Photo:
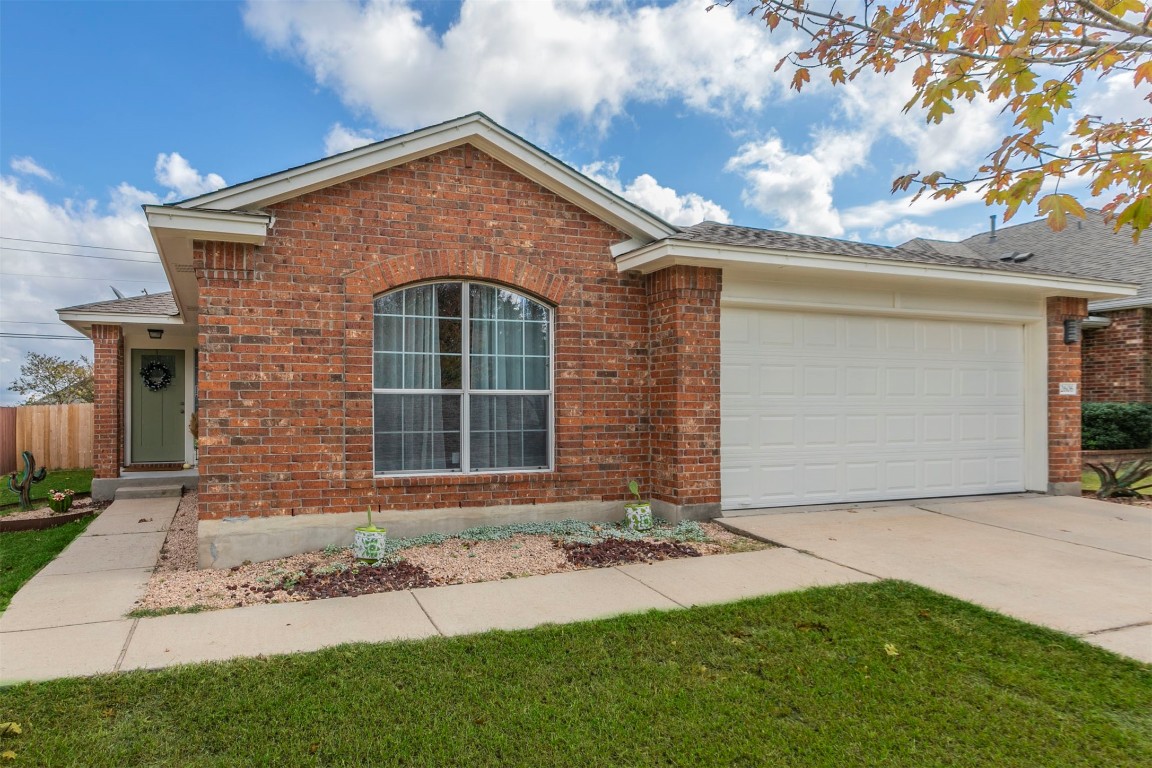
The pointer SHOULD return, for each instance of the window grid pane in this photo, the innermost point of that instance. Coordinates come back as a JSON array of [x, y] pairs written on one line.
[[419, 339]]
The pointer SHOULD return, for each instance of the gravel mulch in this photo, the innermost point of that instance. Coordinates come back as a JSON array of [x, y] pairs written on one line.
[[79, 504], [177, 584]]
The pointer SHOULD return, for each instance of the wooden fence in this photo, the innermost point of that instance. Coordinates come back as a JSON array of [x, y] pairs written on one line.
[[7, 440], [59, 436]]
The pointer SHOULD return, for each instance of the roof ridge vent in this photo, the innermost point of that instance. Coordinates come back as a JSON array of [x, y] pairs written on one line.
[[1015, 257]]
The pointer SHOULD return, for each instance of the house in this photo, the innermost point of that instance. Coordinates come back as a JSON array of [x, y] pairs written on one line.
[[453, 327], [1117, 345]]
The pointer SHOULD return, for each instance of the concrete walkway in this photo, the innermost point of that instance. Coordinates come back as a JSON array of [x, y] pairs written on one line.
[[1080, 566], [69, 619], [1077, 565]]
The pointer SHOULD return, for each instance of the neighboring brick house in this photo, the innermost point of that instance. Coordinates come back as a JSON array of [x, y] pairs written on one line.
[[1117, 345], [455, 328]]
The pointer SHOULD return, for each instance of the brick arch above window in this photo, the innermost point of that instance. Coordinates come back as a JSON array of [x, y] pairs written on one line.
[[511, 271]]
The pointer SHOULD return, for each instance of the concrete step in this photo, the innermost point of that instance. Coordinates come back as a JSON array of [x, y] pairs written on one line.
[[149, 491]]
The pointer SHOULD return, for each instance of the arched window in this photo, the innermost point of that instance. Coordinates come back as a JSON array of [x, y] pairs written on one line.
[[462, 380]]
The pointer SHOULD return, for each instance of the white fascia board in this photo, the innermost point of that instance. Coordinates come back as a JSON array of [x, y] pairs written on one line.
[[477, 130], [573, 186], [671, 253], [226, 226], [79, 319], [1112, 306]]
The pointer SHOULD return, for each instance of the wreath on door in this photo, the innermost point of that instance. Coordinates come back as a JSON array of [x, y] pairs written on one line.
[[156, 376]]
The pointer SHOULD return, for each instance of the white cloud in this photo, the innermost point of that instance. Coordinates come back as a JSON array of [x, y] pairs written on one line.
[[875, 104], [1112, 98], [797, 188], [341, 139], [904, 230], [665, 202], [881, 213], [33, 285], [30, 167], [174, 172], [527, 64]]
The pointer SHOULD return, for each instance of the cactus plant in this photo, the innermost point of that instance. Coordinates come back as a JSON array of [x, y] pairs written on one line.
[[31, 475]]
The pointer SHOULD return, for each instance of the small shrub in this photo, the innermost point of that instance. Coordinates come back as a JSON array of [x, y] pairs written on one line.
[[1116, 426]]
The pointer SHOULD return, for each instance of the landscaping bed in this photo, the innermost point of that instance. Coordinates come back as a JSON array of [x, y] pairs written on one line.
[[43, 517], [479, 554]]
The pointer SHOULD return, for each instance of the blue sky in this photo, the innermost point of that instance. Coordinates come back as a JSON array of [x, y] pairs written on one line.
[[105, 106]]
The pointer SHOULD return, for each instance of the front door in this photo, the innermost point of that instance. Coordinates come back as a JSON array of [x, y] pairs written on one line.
[[157, 406]]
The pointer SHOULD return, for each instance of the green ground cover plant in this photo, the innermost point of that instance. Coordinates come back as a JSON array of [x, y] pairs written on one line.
[[879, 674], [23, 553], [79, 480]]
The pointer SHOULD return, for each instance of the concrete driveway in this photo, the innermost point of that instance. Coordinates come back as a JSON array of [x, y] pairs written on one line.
[[1077, 565]]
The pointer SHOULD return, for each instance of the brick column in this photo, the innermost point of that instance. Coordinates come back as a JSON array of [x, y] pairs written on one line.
[[684, 354], [1064, 466], [108, 409]]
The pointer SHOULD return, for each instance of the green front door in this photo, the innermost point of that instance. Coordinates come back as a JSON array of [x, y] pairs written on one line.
[[158, 433]]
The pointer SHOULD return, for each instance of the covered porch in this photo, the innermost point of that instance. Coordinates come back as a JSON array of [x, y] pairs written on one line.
[[145, 361]]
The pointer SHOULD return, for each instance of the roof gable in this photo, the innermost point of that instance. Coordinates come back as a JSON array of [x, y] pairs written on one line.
[[476, 129]]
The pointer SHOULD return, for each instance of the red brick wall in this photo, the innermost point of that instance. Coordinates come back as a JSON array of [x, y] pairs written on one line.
[[685, 360], [108, 408], [1118, 359], [1063, 410], [286, 342]]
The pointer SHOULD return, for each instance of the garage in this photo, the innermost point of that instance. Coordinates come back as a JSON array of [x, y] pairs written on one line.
[[826, 407]]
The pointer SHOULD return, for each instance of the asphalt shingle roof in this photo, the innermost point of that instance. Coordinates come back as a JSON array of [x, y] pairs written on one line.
[[149, 304], [1088, 248], [730, 234]]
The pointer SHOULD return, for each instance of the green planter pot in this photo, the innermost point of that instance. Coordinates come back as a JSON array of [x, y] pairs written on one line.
[[638, 516], [60, 507], [368, 544]]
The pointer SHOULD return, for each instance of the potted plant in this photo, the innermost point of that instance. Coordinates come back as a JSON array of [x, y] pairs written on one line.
[[60, 501], [637, 514], [368, 542]]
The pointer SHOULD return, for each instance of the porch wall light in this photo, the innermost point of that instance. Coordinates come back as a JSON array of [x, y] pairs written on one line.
[[155, 333], [1071, 330]]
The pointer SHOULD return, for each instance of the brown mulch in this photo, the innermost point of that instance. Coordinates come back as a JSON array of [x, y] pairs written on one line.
[[611, 552], [360, 580]]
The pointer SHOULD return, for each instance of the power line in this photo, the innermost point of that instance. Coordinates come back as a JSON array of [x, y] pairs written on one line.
[[41, 336], [75, 245], [70, 277], [29, 322], [80, 255]]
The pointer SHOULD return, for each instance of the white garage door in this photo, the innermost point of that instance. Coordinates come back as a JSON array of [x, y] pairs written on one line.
[[820, 408]]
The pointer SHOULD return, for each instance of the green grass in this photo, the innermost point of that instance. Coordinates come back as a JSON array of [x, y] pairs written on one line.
[[791, 680], [79, 480], [1089, 481], [23, 553]]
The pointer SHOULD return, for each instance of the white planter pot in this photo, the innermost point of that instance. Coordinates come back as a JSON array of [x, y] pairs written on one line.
[[368, 544], [638, 516]]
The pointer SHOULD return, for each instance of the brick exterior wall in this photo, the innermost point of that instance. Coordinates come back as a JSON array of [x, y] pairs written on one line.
[[1118, 359], [108, 407], [285, 388], [1064, 464], [684, 306]]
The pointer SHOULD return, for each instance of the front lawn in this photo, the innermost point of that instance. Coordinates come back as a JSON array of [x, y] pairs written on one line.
[[79, 480], [880, 674], [23, 553]]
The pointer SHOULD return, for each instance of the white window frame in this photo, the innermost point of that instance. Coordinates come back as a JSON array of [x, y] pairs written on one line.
[[466, 390]]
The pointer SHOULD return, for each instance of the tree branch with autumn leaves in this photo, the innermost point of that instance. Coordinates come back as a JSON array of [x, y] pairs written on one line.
[[1031, 55]]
